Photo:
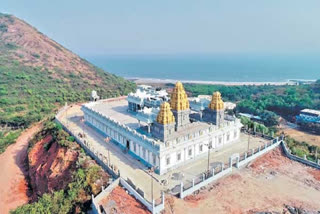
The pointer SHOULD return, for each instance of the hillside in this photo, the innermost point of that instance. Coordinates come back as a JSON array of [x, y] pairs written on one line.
[[37, 75]]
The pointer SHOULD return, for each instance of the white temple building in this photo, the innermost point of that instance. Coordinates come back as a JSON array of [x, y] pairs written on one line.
[[161, 131]]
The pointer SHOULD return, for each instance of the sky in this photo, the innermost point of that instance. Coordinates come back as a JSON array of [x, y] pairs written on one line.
[[103, 27]]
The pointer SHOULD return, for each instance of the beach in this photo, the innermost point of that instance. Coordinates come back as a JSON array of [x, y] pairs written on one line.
[[166, 81]]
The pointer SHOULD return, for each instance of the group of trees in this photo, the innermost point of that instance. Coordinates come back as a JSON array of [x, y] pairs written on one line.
[[267, 101], [256, 127]]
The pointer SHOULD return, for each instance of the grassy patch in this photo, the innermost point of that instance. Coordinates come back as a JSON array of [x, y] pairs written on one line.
[[7, 138]]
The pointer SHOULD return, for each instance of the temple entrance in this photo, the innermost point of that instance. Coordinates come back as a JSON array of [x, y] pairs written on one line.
[[128, 145]]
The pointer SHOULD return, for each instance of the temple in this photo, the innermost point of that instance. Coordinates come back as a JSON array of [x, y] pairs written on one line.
[[164, 132]]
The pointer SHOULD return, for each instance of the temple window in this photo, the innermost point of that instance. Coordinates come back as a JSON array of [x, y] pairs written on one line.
[[179, 156], [168, 160]]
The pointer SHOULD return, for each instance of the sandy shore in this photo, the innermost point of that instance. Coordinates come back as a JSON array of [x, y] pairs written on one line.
[[164, 81]]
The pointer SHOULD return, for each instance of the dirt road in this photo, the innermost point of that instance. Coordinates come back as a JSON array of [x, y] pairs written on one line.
[[13, 186], [300, 135]]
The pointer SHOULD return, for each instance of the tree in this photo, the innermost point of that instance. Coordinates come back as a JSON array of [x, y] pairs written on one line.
[[269, 118]]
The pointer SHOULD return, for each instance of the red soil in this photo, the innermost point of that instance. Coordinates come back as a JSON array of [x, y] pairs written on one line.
[[50, 169], [315, 173], [266, 185], [123, 203], [272, 160]]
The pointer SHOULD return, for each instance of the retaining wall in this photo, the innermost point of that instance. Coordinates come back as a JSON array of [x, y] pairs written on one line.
[[193, 188], [254, 156], [296, 158], [261, 150], [104, 193], [150, 206]]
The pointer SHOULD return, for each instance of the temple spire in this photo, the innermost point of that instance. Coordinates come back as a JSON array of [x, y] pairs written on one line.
[[165, 115], [216, 102], [179, 100]]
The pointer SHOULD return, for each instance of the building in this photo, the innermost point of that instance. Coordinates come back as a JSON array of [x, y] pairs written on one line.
[[251, 117], [167, 133], [308, 116], [146, 96]]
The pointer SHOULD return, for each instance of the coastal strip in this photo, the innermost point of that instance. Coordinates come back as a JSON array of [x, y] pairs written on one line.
[[165, 81]]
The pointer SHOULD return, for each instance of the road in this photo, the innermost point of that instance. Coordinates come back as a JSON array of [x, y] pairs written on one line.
[[13, 186]]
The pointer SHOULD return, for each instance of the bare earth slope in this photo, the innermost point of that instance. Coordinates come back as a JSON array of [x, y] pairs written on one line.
[[267, 185], [13, 187]]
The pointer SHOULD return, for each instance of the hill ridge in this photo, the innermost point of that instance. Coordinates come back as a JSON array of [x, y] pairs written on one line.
[[38, 74]]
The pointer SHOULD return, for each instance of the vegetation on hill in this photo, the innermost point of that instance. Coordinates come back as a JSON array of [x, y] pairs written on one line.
[[303, 148], [266, 101], [37, 75], [87, 179]]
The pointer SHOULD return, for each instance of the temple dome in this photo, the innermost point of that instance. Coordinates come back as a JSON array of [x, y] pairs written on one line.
[[179, 100], [216, 102], [165, 115]]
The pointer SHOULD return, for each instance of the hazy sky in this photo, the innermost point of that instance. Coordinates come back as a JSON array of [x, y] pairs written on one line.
[[93, 27]]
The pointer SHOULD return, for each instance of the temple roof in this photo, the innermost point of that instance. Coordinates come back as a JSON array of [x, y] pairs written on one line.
[[179, 100], [216, 102], [165, 115]]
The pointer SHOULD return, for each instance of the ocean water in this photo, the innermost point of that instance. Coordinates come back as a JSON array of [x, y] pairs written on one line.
[[232, 68]]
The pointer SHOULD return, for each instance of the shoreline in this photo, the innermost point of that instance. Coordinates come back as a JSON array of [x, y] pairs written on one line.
[[227, 83]]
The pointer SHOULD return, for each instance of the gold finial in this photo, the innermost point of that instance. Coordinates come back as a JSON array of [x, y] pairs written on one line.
[[165, 115], [216, 102], [179, 100]]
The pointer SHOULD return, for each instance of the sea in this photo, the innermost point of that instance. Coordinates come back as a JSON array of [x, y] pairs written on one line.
[[225, 67]]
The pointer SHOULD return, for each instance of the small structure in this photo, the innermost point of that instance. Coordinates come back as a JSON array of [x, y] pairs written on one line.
[[251, 117], [309, 116], [146, 96], [94, 96]]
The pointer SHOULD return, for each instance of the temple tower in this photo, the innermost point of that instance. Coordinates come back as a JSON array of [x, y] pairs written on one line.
[[164, 126], [180, 106], [215, 111]]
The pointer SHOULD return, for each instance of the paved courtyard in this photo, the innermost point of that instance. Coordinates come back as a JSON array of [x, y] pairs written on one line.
[[137, 172]]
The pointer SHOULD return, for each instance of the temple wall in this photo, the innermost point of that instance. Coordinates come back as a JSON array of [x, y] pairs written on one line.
[[139, 146], [192, 149]]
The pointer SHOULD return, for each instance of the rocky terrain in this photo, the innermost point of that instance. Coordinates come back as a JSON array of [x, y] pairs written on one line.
[[50, 166]]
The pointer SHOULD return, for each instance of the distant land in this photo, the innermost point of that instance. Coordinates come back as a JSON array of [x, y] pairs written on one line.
[[236, 68], [165, 81]]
